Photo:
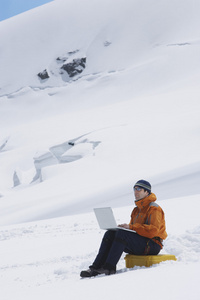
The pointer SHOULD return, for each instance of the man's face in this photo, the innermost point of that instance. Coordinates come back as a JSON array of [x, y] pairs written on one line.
[[140, 193]]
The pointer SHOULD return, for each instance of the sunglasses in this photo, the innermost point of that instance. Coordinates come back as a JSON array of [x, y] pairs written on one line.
[[137, 188]]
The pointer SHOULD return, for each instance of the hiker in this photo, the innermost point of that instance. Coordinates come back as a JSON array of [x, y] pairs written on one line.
[[148, 225]]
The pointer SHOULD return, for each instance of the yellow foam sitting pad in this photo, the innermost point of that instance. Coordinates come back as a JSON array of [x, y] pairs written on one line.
[[146, 260]]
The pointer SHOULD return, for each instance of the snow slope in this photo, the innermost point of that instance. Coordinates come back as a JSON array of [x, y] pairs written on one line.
[[68, 144], [43, 259]]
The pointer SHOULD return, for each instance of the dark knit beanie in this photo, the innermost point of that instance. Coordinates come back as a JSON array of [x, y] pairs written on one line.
[[144, 184]]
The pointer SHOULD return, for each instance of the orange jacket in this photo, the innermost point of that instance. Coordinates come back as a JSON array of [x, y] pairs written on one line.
[[148, 219]]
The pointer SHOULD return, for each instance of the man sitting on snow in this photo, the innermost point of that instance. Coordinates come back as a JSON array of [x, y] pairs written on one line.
[[148, 222]]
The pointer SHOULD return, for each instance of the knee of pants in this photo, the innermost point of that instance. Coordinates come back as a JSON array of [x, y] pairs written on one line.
[[109, 235], [121, 234]]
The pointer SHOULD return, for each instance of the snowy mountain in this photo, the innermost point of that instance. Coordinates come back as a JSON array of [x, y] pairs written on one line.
[[95, 95]]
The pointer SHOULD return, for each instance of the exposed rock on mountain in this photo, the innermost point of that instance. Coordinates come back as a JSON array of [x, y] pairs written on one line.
[[43, 75], [65, 66], [75, 67]]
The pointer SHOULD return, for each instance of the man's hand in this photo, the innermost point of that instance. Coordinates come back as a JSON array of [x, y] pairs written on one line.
[[124, 226]]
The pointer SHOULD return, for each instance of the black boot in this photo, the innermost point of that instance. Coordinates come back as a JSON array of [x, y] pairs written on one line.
[[91, 272], [107, 269]]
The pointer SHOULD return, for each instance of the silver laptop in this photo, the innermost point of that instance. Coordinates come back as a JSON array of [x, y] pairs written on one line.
[[106, 219]]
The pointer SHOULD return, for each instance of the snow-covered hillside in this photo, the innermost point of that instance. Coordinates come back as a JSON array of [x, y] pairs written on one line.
[[43, 260], [95, 95]]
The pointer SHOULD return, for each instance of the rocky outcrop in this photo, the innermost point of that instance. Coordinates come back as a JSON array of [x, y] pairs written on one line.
[[66, 66], [43, 75], [75, 67]]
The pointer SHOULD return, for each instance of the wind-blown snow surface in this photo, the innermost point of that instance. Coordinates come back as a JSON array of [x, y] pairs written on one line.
[[68, 144], [42, 260]]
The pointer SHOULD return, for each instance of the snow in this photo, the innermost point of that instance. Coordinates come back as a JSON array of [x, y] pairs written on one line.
[[43, 259], [68, 145]]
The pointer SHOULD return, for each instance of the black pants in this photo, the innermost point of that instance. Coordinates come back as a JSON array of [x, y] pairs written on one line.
[[114, 243]]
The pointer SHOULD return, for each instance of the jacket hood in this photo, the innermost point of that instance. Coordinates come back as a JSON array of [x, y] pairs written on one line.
[[145, 201]]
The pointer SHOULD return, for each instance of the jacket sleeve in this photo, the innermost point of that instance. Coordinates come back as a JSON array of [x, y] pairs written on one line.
[[153, 226]]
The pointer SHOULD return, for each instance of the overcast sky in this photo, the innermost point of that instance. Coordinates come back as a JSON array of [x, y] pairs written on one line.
[[10, 8]]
